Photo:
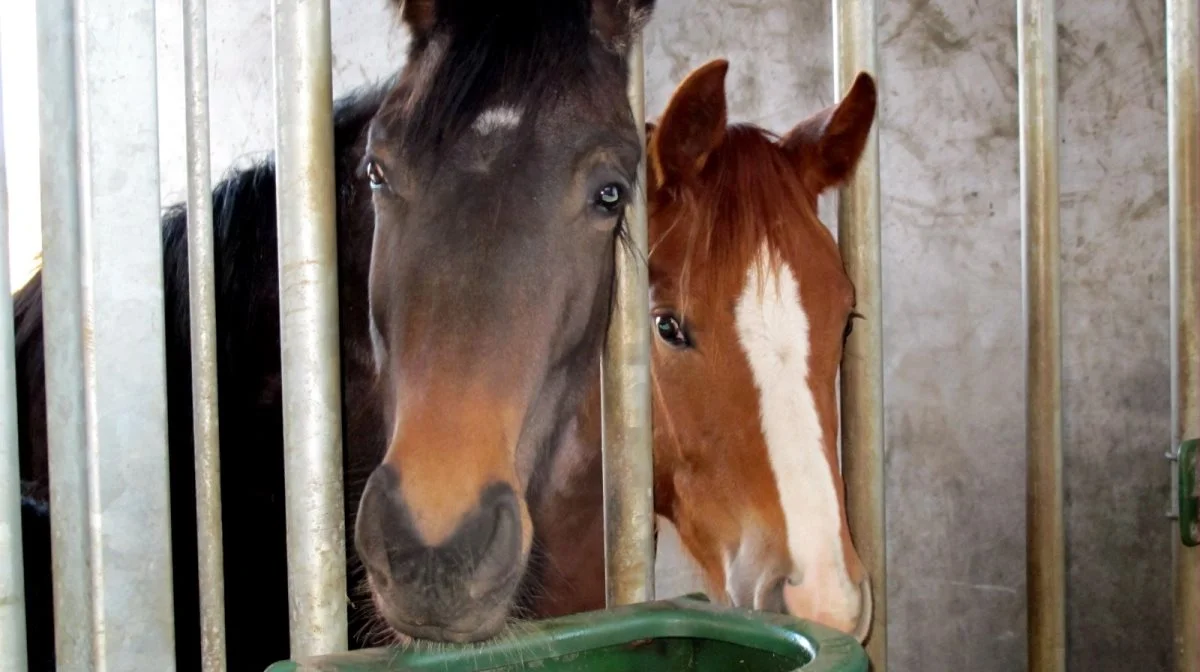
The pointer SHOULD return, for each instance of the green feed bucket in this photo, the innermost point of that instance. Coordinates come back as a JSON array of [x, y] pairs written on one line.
[[684, 634]]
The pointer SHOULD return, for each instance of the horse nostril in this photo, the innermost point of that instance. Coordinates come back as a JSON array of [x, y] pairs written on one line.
[[499, 554], [383, 528]]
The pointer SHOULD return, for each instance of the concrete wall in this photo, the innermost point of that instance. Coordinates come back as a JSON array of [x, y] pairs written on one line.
[[952, 278]]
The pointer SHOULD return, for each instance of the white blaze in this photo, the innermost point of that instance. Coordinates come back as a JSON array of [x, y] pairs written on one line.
[[773, 330]]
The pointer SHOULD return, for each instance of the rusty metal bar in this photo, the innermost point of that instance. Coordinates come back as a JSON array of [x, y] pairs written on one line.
[[203, 326], [628, 457], [13, 655], [854, 51], [1183, 166], [1038, 113], [308, 311]]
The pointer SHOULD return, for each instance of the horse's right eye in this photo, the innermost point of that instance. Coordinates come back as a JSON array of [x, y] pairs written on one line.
[[670, 331], [375, 175]]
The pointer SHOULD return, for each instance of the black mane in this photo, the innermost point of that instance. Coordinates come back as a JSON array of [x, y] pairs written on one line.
[[244, 229]]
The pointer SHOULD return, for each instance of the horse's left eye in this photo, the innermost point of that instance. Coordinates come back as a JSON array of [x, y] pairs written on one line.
[[609, 199]]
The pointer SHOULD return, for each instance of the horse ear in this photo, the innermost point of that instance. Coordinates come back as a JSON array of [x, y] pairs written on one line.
[[619, 22], [693, 125], [418, 15], [829, 144]]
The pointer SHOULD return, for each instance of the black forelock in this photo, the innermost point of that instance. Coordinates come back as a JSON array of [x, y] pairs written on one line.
[[518, 52]]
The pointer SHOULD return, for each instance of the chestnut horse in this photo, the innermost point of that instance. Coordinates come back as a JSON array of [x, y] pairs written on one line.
[[752, 306]]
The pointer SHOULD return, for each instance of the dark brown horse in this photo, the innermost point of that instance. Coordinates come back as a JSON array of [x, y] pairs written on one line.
[[480, 201]]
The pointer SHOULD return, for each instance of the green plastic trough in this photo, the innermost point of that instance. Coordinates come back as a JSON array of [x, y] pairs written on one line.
[[686, 633]]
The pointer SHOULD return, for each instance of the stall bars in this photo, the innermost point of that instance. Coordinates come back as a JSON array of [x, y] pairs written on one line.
[[854, 32], [1183, 170], [79, 198], [12, 576]]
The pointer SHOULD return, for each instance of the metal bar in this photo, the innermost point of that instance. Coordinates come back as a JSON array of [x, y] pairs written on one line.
[[203, 324], [124, 354], [854, 50], [1183, 166], [13, 654], [627, 449], [1038, 110], [62, 331], [308, 310]]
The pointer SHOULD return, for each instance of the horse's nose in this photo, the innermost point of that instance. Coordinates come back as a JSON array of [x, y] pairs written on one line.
[[477, 557]]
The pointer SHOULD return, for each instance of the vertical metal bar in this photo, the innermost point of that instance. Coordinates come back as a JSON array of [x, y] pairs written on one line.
[[308, 309], [854, 50], [124, 352], [62, 330], [13, 655], [1183, 165], [1038, 109], [203, 323], [628, 457]]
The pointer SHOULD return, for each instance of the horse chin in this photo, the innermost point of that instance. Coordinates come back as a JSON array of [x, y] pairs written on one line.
[[395, 630], [407, 634], [412, 634]]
